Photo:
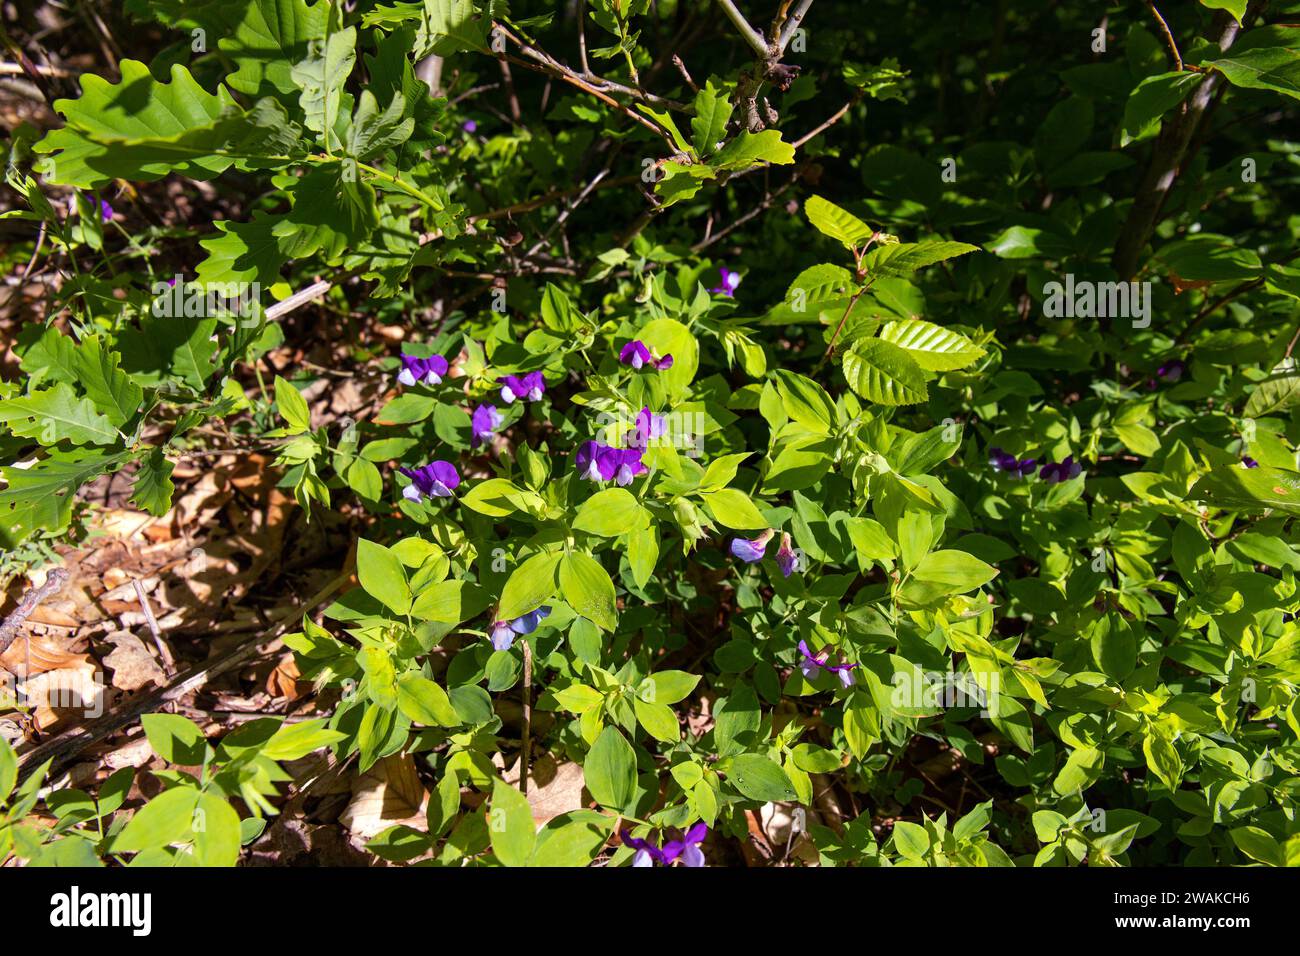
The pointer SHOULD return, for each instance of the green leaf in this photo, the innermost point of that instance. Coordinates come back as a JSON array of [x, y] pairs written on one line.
[[884, 373], [1258, 845], [932, 347], [295, 741], [450, 602], [381, 573], [1236, 7], [270, 37], [1275, 68], [1238, 488], [1151, 100], [760, 778], [733, 509], [643, 554], [8, 770], [510, 823], [750, 149], [904, 258], [609, 513], [610, 771], [216, 832], [425, 702], [806, 402], [320, 76], [57, 414], [130, 130], [1277, 393], [713, 109], [837, 223], [164, 820], [452, 26], [153, 487], [1162, 759], [111, 389], [586, 586], [529, 586], [41, 496], [175, 738], [658, 720], [944, 573]]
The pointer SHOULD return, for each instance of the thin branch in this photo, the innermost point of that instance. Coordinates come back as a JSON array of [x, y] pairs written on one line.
[[750, 35], [792, 25], [54, 582], [169, 662], [526, 741], [839, 115], [1169, 36]]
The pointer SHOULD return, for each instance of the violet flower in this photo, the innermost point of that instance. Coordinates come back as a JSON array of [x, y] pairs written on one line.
[[1062, 471], [787, 558], [1172, 371], [529, 387], [729, 282], [1003, 461], [428, 371], [469, 126], [1249, 462], [483, 424], [688, 848], [649, 426], [600, 462], [435, 480], [105, 211], [751, 550], [504, 632], [813, 663], [637, 355]]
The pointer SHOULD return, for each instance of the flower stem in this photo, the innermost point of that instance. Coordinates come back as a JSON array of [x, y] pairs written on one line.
[[526, 735]]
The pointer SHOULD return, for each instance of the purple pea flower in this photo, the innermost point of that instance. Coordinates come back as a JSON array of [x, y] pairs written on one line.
[[786, 557], [813, 663], [688, 848], [638, 355], [729, 282], [600, 462], [435, 480], [751, 550], [105, 211], [469, 126], [429, 371], [627, 465], [1172, 371], [483, 424], [1003, 461], [529, 387], [649, 426], [1062, 471], [1248, 462], [504, 632], [588, 461]]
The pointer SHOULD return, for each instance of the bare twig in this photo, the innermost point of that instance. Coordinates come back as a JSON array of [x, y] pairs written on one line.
[[169, 662], [835, 118], [747, 32], [791, 26], [300, 298], [1168, 34], [54, 582]]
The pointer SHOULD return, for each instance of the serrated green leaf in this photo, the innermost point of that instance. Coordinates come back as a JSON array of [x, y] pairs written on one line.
[[884, 373]]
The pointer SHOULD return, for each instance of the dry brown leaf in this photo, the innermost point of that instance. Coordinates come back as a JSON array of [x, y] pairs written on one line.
[[132, 665], [387, 794], [553, 788], [37, 653]]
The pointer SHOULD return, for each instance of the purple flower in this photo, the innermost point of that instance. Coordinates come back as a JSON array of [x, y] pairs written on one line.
[[1249, 462], [637, 355], [105, 211], [435, 480], [1063, 471], [786, 557], [649, 426], [1002, 461], [504, 632], [688, 848], [483, 424], [429, 371], [753, 550], [729, 282], [813, 663], [469, 126], [1172, 371], [530, 387], [604, 462]]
